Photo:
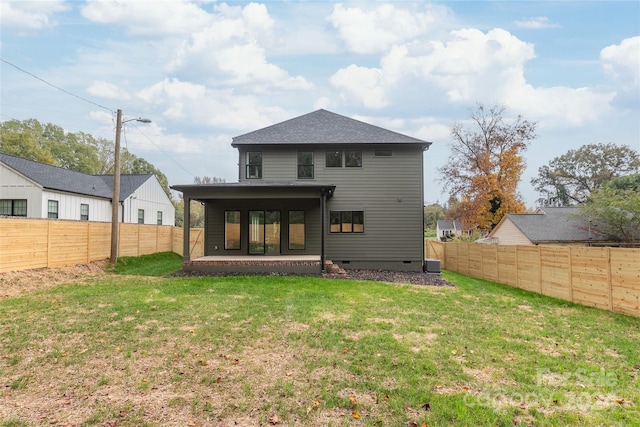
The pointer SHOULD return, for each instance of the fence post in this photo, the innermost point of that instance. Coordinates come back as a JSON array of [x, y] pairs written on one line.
[[88, 241], [48, 243], [570, 274], [539, 270], [515, 257], [609, 284]]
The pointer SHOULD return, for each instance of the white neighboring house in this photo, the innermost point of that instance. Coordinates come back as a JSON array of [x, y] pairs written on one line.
[[37, 190], [446, 230]]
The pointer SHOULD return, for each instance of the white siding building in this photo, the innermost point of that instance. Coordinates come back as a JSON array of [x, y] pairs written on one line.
[[36, 190]]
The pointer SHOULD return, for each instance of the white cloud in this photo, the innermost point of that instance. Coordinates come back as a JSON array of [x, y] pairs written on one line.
[[365, 85], [107, 90], [28, 16], [537, 23], [200, 105], [229, 51], [621, 63], [471, 66], [378, 29], [322, 103], [557, 107], [146, 17]]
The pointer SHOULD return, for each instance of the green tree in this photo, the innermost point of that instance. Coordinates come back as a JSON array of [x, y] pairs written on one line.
[[615, 208], [485, 165], [432, 213], [80, 151], [197, 210], [572, 177]]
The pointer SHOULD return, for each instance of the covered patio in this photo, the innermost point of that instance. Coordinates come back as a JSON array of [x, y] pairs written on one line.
[[260, 227]]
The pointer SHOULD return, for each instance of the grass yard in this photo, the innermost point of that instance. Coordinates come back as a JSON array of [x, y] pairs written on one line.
[[135, 348]]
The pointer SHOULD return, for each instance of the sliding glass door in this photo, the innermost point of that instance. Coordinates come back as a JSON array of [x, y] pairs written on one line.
[[264, 232]]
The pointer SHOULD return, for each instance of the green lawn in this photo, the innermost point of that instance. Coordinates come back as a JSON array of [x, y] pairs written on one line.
[[147, 349]]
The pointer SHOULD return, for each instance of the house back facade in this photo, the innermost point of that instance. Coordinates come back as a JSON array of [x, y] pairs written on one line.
[[321, 185], [35, 190]]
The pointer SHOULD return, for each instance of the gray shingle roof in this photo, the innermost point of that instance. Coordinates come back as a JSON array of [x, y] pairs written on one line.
[[445, 224], [324, 127], [555, 225], [56, 178]]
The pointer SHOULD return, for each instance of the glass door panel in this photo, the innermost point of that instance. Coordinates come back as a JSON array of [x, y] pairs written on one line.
[[256, 232], [264, 232], [272, 232]]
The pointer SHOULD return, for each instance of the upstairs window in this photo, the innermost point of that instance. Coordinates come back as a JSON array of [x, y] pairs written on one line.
[[52, 209], [140, 216], [346, 221], [305, 165], [353, 159], [84, 212], [333, 159], [10, 207], [159, 218], [254, 165]]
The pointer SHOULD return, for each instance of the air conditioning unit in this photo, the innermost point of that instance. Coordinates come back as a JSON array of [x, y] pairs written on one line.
[[432, 266]]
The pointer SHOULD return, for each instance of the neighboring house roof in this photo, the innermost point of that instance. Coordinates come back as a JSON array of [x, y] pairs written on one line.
[[445, 224], [553, 225], [324, 127], [60, 179]]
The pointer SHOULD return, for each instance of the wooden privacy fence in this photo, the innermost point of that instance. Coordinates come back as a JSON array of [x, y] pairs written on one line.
[[607, 278], [37, 243]]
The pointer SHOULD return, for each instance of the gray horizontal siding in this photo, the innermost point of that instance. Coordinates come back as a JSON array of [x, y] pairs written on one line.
[[214, 227], [388, 189]]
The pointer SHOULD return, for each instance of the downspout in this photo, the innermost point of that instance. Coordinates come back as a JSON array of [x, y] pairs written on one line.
[[323, 200], [186, 247], [122, 204]]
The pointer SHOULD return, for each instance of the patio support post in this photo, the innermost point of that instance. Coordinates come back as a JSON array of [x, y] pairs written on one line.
[[323, 200], [186, 256]]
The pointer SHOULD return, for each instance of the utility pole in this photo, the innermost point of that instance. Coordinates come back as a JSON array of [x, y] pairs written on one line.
[[116, 186], [116, 192]]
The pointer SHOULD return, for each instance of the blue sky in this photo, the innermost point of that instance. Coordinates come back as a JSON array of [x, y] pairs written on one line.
[[206, 71]]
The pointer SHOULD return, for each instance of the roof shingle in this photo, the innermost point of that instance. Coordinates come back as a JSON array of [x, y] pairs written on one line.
[[324, 127], [60, 179]]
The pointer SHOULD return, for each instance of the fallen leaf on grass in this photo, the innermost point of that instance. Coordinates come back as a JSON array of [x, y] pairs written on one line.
[[274, 419], [427, 406], [344, 350], [355, 415], [313, 406], [191, 423], [353, 400], [454, 352]]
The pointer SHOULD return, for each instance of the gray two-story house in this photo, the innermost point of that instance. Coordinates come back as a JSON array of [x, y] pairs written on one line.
[[316, 188]]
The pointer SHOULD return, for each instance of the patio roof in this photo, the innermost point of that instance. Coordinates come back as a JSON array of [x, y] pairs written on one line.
[[256, 190]]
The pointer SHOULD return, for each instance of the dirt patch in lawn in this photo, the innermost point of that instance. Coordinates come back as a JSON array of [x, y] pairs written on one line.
[[16, 283]]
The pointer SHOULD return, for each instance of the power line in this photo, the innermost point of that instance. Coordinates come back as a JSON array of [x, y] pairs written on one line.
[[161, 150], [97, 105], [56, 87]]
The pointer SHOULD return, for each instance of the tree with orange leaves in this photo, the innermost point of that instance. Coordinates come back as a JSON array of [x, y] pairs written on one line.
[[485, 165]]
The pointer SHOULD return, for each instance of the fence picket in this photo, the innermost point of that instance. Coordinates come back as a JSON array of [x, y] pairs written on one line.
[[608, 278]]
